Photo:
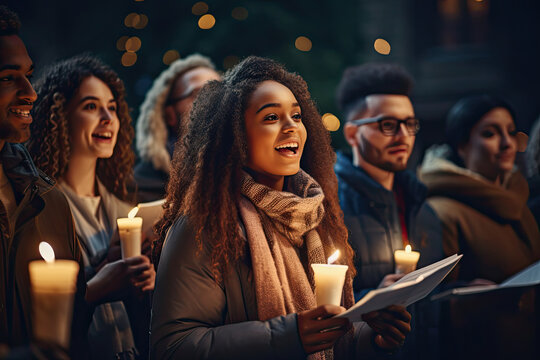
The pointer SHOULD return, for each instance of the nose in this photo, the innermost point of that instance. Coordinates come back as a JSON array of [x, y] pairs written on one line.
[[26, 91], [289, 125], [507, 141], [106, 116], [402, 130]]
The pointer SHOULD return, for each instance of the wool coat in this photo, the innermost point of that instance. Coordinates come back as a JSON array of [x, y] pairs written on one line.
[[489, 224]]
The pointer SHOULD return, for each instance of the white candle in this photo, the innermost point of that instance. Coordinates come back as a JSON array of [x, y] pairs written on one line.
[[129, 230], [329, 280], [406, 260], [53, 285]]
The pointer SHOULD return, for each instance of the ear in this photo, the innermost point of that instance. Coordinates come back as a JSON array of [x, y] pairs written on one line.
[[463, 151], [170, 117], [349, 131]]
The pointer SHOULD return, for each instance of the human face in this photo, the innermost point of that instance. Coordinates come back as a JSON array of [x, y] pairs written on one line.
[[16, 93], [389, 153], [93, 120], [275, 134], [183, 94], [491, 149]]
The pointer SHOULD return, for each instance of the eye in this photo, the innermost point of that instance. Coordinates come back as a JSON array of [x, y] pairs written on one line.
[[297, 117], [271, 117], [513, 132], [388, 124], [6, 78], [90, 106], [112, 108], [487, 134]]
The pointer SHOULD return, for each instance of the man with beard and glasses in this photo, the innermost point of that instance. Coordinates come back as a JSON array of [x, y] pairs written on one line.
[[164, 118], [384, 205], [31, 210]]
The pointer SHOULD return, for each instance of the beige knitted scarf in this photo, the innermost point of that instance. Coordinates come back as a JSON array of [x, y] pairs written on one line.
[[280, 228]]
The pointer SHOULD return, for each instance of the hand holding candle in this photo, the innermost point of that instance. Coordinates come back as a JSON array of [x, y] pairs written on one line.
[[129, 230], [406, 260], [53, 287], [329, 280]]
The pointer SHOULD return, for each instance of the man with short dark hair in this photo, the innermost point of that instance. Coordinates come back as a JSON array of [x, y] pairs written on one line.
[[31, 209], [164, 117], [384, 206]]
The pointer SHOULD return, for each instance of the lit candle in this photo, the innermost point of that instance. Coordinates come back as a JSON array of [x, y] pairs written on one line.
[[329, 280], [129, 230], [53, 283], [406, 260]]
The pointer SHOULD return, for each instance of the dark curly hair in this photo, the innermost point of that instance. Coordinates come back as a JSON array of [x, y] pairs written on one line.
[[214, 152], [360, 81], [50, 145], [9, 22]]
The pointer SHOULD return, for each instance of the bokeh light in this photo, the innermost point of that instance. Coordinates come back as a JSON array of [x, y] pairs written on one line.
[[121, 43], [382, 46], [331, 122], [199, 8], [230, 61], [133, 44], [239, 13], [207, 21], [140, 21], [129, 59], [129, 19], [170, 56], [302, 43]]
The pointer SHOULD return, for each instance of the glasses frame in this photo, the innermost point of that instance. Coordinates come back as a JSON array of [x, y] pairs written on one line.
[[380, 118]]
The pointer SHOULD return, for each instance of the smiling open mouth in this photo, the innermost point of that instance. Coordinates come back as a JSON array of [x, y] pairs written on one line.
[[104, 135], [19, 112], [288, 148]]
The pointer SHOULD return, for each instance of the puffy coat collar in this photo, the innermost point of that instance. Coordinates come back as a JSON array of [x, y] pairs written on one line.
[[21, 171], [444, 178], [414, 191]]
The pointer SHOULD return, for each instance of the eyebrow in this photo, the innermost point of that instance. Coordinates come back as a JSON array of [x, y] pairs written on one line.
[[15, 67], [93, 98], [273, 105]]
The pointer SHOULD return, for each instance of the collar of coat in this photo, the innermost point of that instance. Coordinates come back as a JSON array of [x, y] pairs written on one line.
[[413, 190], [21, 171]]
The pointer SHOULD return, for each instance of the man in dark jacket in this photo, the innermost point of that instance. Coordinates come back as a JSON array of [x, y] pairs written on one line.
[[31, 209], [383, 204]]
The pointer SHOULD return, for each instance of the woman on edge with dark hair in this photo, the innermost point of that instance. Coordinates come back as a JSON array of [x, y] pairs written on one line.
[[239, 233], [82, 136], [478, 193]]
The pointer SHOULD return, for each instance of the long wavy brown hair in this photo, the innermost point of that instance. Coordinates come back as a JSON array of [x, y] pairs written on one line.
[[204, 180], [49, 145]]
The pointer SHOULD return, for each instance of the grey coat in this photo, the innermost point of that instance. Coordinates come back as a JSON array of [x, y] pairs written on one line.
[[194, 317]]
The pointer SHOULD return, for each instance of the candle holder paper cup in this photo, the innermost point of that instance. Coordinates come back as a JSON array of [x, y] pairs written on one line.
[[53, 290], [329, 280], [130, 236]]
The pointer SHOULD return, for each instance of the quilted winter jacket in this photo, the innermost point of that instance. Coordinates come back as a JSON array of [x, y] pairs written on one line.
[[193, 317]]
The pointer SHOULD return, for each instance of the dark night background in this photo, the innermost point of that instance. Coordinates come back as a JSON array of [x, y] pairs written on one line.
[[453, 48]]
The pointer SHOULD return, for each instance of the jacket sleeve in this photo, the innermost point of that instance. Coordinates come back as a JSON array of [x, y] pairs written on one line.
[[190, 307]]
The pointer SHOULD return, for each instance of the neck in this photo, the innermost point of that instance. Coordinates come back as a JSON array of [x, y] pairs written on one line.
[[81, 175], [383, 177], [273, 182]]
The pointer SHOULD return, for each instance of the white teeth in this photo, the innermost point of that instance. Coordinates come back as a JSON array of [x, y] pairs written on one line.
[[104, 134], [288, 145], [20, 112]]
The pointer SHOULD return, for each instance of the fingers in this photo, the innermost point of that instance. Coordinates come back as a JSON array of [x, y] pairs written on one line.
[[320, 341], [324, 311], [319, 329]]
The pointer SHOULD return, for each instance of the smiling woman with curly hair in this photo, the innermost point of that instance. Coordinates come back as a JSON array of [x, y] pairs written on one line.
[[82, 136], [252, 203]]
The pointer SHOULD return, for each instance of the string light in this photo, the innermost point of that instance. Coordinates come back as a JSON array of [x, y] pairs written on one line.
[[302, 43], [207, 21], [382, 46]]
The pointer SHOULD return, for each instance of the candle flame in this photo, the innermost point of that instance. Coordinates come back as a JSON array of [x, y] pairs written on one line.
[[133, 212], [408, 248], [332, 259], [46, 251]]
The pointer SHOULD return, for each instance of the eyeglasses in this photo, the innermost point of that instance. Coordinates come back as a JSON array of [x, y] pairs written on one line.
[[390, 125]]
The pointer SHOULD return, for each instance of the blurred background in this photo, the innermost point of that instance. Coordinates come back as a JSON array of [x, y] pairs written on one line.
[[453, 48]]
